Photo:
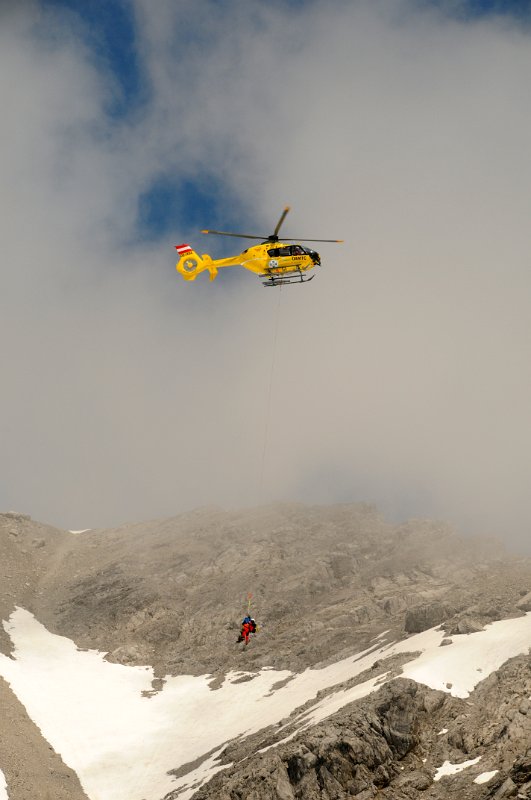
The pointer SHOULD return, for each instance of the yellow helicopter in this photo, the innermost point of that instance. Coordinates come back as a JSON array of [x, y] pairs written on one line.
[[278, 262]]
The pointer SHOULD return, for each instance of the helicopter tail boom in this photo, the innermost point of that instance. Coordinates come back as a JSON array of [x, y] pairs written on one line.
[[190, 264]]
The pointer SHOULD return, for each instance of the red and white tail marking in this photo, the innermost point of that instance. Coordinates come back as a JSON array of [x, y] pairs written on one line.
[[183, 249]]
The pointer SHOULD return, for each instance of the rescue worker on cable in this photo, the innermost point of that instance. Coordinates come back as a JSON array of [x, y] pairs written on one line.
[[248, 627]]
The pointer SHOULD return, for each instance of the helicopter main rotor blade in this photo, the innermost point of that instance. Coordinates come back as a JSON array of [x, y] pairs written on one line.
[[279, 223], [238, 235], [273, 238], [294, 239]]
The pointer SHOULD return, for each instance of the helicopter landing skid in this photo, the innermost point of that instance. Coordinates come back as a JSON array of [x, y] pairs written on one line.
[[274, 279]]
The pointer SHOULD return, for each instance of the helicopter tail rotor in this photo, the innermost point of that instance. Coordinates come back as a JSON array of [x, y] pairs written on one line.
[[190, 264]]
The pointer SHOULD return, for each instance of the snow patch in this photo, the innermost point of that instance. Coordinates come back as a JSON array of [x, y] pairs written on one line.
[[485, 776], [84, 530], [3, 787], [451, 769], [458, 665], [443, 730], [381, 635]]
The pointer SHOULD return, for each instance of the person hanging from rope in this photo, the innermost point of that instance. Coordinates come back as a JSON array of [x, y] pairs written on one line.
[[248, 623], [245, 632], [252, 622], [248, 627]]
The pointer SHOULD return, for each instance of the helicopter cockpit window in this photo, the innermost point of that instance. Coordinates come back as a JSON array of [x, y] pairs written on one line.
[[275, 252], [296, 250]]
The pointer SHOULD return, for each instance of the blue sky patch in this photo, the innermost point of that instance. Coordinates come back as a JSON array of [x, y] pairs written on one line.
[[177, 209], [109, 30], [478, 9], [170, 205], [514, 7]]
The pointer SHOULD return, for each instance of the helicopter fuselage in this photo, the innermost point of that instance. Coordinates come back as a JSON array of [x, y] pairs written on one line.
[[268, 259], [278, 258]]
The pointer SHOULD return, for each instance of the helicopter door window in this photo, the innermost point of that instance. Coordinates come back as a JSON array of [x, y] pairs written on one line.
[[276, 252], [296, 250]]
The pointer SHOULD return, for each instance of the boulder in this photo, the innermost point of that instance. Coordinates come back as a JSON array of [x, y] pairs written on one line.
[[466, 625], [507, 789], [393, 605], [524, 604]]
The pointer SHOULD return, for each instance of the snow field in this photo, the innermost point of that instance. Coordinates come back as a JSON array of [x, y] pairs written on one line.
[[122, 744]]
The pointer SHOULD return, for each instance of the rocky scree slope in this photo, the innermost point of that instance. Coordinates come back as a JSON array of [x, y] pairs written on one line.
[[171, 592]]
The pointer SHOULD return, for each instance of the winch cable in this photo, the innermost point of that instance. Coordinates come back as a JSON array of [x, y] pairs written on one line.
[[268, 407]]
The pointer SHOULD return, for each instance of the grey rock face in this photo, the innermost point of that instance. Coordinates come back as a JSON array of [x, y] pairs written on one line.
[[389, 746], [426, 616], [521, 775], [355, 755]]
